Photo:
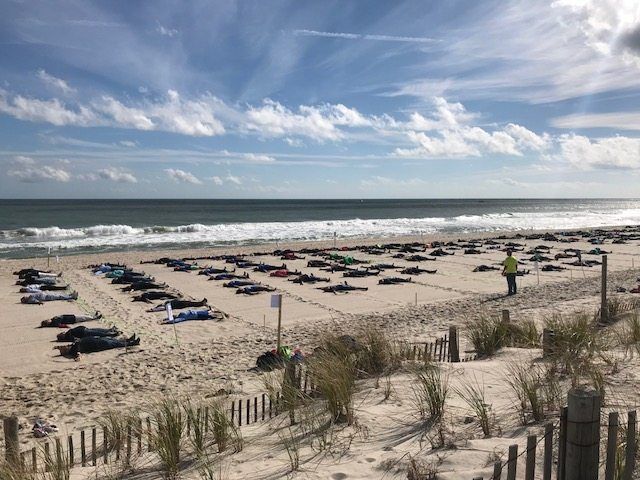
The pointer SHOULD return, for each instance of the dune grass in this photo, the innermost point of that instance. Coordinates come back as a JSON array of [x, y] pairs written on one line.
[[473, 395], [430, 391], [168, 434]]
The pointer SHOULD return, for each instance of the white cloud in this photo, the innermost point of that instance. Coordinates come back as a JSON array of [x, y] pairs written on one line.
[[272, 119], [117, 175], [217, 180], [26, 170], [258, 158], [167, 32], [182, 176], [563, 49], [50, 111], [55, 82], [128, 143], [615, 120], [612, 152], [233, 179], [123, 116], [358, 36], [451, 134], [171, 113]]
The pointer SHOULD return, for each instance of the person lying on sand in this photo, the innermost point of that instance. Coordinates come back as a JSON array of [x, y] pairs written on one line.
[[178, 304], [228, 276], [214, 271], [394, 281], [64, 321], [37, 280], [32, 272], [239, 283], [485, 268], [40, 298], [306, 278], [81, 331], [552, 268], [342, 287], [419, 258], [153, 295], [38, 288], [438, 252], [189, 315], [416, 271], [254, 289], [361, 273], [384, 266], [95, 344], [264, 268], [317, 263], [144, 285], [284, 273]]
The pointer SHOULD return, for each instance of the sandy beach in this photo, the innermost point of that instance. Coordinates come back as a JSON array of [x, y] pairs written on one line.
[[199, 358]]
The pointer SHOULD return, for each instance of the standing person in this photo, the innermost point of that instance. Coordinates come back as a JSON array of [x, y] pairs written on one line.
[[510, 271]]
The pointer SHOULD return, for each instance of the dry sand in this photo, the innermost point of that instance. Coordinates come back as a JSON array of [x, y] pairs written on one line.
[[200, 357]]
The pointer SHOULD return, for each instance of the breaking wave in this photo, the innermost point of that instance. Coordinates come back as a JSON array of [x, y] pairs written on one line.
[[126, 236]]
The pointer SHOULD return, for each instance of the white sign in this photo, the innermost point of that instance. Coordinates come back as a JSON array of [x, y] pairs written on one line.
[[276, 301], [169, 312]]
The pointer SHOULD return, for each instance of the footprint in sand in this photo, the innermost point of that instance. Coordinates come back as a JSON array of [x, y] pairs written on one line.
[[338, 476]]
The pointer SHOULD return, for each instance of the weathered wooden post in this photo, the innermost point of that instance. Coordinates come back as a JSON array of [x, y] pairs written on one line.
[[612, 443], [582, 456], [632, 447], [547, 342], [604, 307], [454, 347], [11, 442]]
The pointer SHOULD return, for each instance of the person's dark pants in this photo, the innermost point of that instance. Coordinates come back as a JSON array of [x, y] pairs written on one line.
[[511, 283], [98, 344]]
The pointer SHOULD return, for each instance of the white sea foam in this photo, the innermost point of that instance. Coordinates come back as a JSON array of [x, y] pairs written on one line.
[[115, 236]]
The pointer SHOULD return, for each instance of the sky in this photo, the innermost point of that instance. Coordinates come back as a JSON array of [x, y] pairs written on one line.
[[330, 99]]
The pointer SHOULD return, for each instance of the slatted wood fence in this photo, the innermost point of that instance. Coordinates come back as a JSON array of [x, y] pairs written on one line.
[[91, 446]]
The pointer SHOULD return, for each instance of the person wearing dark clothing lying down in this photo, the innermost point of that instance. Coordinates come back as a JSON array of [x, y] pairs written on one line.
[[40, 280], [63, 320], [149, 296], [81, 331], [32, 272], [95, 344], [485, 268], [342, 287], [179, 304], [35, 288], [190, 315], [254, 289], [143, 286]]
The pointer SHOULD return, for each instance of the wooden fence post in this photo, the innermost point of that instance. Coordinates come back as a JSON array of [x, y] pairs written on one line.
[[604, 306], [632, 447], [548, 452], [562, 444], [512, 463], [612, 445], [547, 342], [583, 435], [11, 442], [497, 471], [530, 469], [454, 347]]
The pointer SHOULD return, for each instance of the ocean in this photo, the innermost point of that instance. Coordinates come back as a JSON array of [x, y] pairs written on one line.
[[30, 227]]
